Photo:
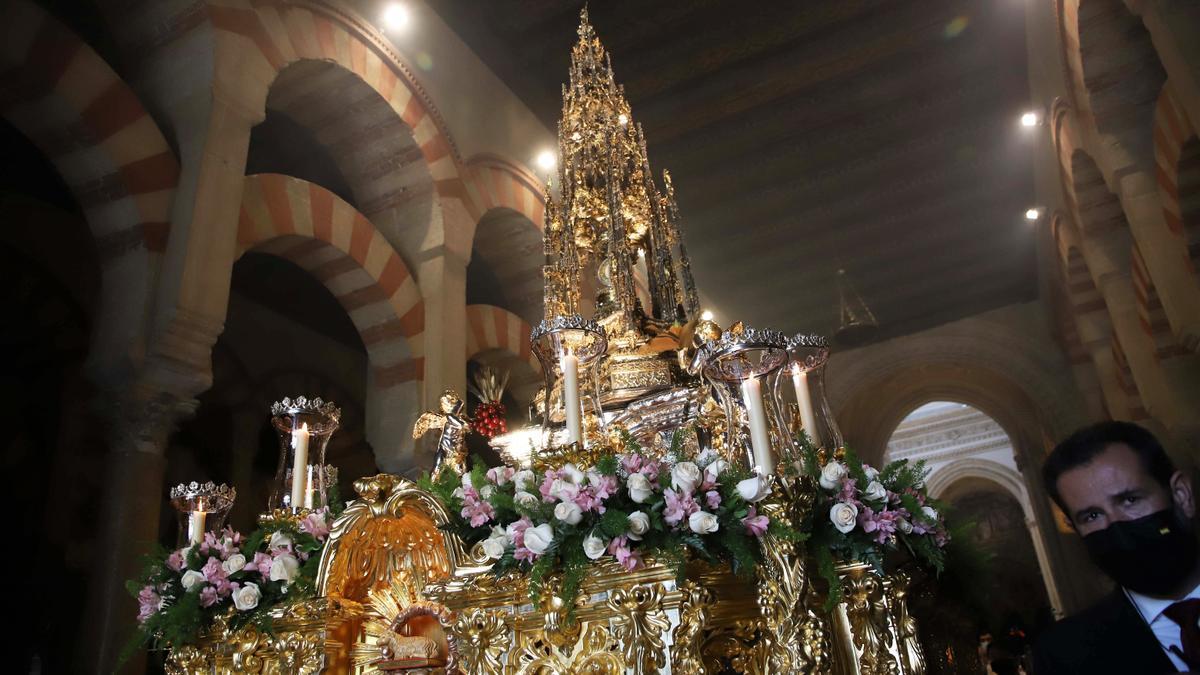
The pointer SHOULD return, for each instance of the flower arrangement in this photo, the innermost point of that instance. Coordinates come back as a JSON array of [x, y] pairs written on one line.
[[861, 513], [627, 508], [180, 593]]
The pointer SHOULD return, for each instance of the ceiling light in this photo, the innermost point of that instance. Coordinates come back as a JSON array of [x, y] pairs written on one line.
[[1030, 119], [706, 315], [546, 160], [1033, 214], [395, 16]]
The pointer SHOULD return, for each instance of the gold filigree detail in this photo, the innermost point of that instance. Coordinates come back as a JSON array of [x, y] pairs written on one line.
[[866, 611], [688, 638], [639, 626], [482, 639], [907, 638]]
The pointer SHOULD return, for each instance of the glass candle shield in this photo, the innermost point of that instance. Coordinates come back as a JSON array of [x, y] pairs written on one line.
[[570, 350], [743, 370], [803, 385], [200, 508], [304, 426]]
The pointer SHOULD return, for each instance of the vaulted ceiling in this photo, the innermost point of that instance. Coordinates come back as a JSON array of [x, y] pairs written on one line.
[[875, 135]]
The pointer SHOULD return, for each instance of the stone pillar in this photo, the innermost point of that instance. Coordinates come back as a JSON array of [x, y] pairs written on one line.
[[443, 280], [128, 523]]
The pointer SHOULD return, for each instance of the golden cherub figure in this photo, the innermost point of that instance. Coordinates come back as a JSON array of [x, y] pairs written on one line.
[[452, 449]]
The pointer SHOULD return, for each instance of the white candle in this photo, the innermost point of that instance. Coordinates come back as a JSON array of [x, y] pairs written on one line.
[[760, 440], [310, 488], [196, 526], [299, 464], [804, 402], [574, 412]]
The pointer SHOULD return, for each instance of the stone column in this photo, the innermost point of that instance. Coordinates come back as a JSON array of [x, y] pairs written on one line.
[[127, 526], [443, 280]]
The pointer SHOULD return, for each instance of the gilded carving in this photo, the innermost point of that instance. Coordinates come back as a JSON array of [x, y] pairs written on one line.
[[688, 638], [907, 640], [867, 613], [639, 626], [482, 638]]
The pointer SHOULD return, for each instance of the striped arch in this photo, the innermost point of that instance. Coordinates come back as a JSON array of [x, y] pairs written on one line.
[[490, 327], [1150, 310], [499, 338], [493, 182], [1114, 75], [57, 91], [1177, 169], [316, 230], [1132, 407], [282, 33]]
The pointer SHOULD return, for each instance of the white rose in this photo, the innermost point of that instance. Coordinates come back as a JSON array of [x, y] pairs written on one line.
[[279, 540], [523, 480], [459, 493], [930, 514], [487, 491], [753, 489], [904, 526], [702, 522], [871, 472], [285, 568], [246, 597], [466, 481], [493, 547], [706, 455], [593, 546], [572, 473], [832, 475], [234, 563], [191, 578], [639, 488], [568, 512], [526, 499], [716, 468], [685, 476], [875, 491], [538, 539], [844, 516], [639, 524]]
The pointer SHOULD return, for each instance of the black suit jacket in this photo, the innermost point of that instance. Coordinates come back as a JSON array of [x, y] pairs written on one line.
[[1109, 638]]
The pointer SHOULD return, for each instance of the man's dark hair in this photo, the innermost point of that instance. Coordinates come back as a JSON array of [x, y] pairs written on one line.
[[1084, 445]]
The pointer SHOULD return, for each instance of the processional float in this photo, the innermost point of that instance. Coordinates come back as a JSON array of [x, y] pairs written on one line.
[[397, 589]]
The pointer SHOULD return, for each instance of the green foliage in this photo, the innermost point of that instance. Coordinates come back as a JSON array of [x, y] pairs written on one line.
[[607, 465], [614, 523]]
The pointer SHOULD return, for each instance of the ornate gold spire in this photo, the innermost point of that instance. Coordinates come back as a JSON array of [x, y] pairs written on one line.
[[610, 223]]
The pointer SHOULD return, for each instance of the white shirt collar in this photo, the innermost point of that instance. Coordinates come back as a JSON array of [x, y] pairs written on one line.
[[1152, 608]]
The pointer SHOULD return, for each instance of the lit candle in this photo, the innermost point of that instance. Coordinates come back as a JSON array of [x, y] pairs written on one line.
[[574, 412], [760, 440], [196, 526], [804, 402], [299, 464]]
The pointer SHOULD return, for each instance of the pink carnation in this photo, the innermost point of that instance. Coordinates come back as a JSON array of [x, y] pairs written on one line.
[[176, 561], [208, 596], [476, 510], [755, 524], [315, 525], [148, 602], [713, 499], [501, 475], [679, 507], [628, 558]]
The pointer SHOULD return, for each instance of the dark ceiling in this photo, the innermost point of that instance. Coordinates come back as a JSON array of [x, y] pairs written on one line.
[[878, 136]]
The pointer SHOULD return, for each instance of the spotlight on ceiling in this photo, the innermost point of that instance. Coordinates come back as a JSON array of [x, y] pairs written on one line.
[[1031, 119], [1033, 214], [395, 16], [546, 160], [706, 315]]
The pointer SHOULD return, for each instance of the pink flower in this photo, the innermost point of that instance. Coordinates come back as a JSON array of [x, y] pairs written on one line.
[[148, 602], [679, 507], [849, 492], [215, 575], [314, 524], [631, 463], [626, 556], [476, 510], [881, 524], [260, 564], [208, 596], [755, 524], [501, 475], [606, 487], [176, 560], [713, 499]]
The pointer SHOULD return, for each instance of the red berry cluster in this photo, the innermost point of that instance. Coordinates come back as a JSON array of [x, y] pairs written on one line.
[[489, 419]]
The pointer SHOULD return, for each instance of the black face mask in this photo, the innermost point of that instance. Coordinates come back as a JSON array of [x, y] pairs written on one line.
[[1150, 555]]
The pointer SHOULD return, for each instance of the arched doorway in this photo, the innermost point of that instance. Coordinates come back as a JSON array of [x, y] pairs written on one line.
[[972, 467]]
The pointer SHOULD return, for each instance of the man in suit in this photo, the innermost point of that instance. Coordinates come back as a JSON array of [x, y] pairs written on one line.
[[1135, 512]]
